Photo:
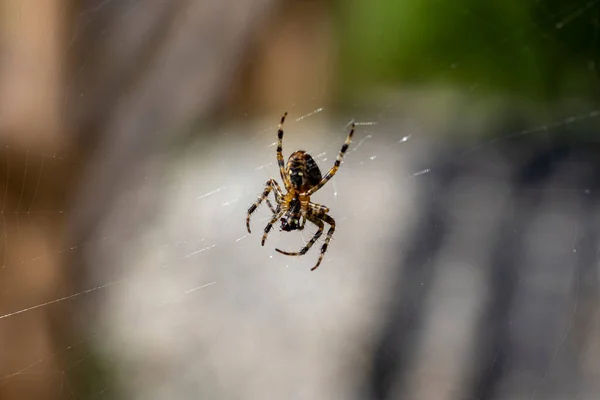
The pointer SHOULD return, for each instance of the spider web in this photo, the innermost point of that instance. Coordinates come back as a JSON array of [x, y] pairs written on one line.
[[188, 303]]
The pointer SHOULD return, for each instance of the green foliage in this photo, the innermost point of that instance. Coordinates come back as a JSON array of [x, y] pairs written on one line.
[[510, 46]]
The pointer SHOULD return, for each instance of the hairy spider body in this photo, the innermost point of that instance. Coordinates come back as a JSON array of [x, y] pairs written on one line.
[[303, 171], [301, 177], [292, 219]]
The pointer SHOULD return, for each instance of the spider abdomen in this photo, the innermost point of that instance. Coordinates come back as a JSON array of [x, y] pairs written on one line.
[[303, 171]]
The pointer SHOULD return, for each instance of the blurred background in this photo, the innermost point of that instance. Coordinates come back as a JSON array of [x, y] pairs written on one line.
[[134, 135]]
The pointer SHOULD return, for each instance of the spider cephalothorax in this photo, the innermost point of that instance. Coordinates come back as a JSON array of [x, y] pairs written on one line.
[[301, 178], [292, 218]]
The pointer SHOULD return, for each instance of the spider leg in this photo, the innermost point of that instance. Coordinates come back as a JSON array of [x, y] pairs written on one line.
[[280, 161], [315, 220], [336, 165], [270, 185], [330, 232], [270, 206], [278, 196], [302, 221], [317, 209], [270, 225]]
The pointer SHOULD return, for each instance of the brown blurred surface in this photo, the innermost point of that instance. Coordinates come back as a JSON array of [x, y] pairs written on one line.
[[82, 96], [32, 81]]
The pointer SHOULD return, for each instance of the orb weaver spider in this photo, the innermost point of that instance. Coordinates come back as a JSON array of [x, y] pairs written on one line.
[[301, 178]]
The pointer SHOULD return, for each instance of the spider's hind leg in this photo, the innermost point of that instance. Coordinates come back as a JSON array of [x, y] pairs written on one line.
[[336, 165], [280, 160]]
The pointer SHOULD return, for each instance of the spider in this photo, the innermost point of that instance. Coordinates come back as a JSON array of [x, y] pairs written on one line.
[[301, 178]]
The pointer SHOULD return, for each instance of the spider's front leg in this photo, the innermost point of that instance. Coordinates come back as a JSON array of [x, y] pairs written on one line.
[[315, 220], [270, 225], [271, 185], [273, 210], [278, 196], [330, 232]]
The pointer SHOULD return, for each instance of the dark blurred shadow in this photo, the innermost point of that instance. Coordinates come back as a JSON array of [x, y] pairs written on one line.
[[533, 333]]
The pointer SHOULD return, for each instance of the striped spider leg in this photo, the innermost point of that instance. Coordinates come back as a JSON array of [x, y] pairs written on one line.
[[270, 185]]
